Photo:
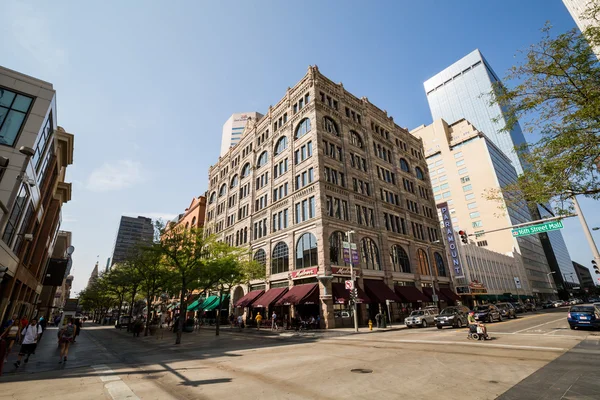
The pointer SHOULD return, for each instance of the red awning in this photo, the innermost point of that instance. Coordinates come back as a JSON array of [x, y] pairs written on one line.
[[450, 294], [269, 297], [301, 294], [379, 292], [341, 295], [429, 293], [246, 300], [410, 294]]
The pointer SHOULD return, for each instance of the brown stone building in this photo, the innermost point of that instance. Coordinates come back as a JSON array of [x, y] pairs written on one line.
[[322, 162], [32, 189], [193, 217]]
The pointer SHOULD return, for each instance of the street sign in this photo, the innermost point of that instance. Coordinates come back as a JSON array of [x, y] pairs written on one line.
[[435, 298], [539, 228], [346, 251], [349, 285], [354, 251]]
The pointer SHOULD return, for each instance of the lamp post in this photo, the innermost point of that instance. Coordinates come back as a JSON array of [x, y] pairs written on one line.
[[354, 290], [548, 277]]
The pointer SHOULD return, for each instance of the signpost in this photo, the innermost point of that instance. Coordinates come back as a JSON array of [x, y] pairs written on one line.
[[349, 285], [351, 256], [539, 228]]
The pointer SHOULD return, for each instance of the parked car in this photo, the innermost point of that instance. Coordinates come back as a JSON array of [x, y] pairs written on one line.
[[558, 303], [507, 310], [456, 317], [583, 316], [487, 313], [123, 321], [519, 308], [548, 304], [530, 307], [422, 318]]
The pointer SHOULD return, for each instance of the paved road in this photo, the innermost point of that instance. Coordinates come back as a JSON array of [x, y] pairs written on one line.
[[409, 364]]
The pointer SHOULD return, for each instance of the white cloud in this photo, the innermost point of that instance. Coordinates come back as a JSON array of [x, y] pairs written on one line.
[[115, 175], [32, 30]]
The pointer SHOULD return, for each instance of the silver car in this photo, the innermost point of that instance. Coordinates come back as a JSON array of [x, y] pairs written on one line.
[[422, 318]]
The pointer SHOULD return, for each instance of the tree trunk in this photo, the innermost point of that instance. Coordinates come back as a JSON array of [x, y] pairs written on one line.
[[219, 313], [133, 293], [181, 311]]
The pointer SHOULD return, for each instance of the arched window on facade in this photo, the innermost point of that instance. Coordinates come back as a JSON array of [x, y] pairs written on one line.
[[281, 145], [303, 128], [336, 252], [423, 262], [212, 198], [355, 139], [222, 190], [261, 257], [370, 254], [439, 263], [262, 159], [306, 251], [194, 221], [280, 259], [400, 260], [404, 165], [419, 173], [330, 126], [246, 170], [234, 181], [187, 225]]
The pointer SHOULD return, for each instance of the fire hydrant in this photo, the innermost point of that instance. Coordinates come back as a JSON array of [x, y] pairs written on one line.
[[370, 325]]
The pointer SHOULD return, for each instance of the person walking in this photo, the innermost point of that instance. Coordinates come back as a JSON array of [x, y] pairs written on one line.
[[65, 337], [231, 320], [78, 324], [258, 321], [31, 334], [274, 321], [43, 323], [11, 333], [240, 322]]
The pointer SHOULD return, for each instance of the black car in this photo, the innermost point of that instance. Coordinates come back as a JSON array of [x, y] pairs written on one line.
[[507, 310], [519, 308], [456, 317], [487, 313]]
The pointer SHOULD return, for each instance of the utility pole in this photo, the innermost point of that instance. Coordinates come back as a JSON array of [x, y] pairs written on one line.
[[586, 229], [354, 291]]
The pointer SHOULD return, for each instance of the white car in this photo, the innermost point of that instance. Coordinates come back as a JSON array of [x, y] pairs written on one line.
[[422, 318]]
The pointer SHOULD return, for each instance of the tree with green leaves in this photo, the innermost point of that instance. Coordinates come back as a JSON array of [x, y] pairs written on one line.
[[557, 95], [185, 252], [231, 266], [118, 282]]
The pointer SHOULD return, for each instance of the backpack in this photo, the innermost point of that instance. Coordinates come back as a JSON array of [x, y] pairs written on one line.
[[68, 332]]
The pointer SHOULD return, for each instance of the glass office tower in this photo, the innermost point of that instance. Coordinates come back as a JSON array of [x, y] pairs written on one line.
[[463, 91]]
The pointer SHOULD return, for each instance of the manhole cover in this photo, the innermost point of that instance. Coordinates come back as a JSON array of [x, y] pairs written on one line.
[[361, 371]]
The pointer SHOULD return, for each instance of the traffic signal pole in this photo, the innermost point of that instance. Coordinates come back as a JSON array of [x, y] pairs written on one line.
[[354, 289], [586, 230]]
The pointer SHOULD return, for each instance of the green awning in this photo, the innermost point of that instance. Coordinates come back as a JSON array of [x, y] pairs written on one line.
[[216, 303], [208, 302], [194, 305]]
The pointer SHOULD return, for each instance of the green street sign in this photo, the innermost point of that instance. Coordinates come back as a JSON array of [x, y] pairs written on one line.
[[539, 228]]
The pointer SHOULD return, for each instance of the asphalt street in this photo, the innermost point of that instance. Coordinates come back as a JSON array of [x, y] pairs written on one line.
[[535, 356]]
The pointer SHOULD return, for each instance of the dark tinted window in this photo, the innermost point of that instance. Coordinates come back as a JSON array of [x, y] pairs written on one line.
[[582, 309]]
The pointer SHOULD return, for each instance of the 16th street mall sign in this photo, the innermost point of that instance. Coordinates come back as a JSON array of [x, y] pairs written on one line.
[[449, 232], [539, 228]]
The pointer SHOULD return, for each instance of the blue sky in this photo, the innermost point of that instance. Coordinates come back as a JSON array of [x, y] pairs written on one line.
[[146, 86]]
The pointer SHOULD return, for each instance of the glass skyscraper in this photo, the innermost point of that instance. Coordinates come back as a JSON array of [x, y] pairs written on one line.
[[463, 90]]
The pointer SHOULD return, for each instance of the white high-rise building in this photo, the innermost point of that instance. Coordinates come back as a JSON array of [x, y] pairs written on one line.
[[234, 127], [576, 9]]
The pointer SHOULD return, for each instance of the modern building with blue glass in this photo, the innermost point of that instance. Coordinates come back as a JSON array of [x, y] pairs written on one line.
[[463, 90], [233, 129]]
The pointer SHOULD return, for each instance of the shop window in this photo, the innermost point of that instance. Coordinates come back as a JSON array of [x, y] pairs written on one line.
[[306, 251]]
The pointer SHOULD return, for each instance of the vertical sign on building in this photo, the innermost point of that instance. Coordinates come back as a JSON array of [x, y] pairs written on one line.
[[449, 232], [346, 250]]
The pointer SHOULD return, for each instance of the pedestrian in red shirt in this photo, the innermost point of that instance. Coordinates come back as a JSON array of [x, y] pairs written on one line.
[[24, 321]]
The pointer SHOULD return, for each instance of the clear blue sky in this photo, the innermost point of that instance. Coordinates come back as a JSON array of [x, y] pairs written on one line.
[[146, 86]]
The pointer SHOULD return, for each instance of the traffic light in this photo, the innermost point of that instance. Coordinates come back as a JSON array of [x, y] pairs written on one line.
[[595, 265], [3, 272], [464, 237]]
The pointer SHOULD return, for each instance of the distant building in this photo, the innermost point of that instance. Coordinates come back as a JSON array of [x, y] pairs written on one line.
[[234, 127], [93, 276], [462, 91], [576, 9], [584, 275], [57, 284], [132, 232], [464, 165]]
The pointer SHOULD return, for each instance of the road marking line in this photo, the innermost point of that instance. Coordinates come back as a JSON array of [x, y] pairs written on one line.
[[117, 389], [537, 326], [502, 346]]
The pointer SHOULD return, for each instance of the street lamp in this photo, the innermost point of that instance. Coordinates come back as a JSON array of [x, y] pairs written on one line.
[[548, 276], [354, 290]]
